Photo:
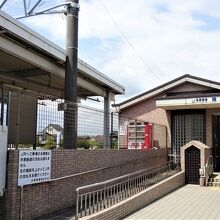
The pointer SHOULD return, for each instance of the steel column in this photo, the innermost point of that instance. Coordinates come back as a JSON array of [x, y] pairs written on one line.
[[70, 112], [112, 129], [2, 105], [106, 121]]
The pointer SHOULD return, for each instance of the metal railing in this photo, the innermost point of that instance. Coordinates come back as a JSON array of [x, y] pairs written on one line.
[[98, 196], [175, 159], [209, 168]]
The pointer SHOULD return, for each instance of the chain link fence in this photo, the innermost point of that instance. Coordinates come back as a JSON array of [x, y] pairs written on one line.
[[37, 120]]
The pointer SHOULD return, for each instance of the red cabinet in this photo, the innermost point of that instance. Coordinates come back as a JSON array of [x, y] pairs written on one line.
[[139, 135], [148, 136]]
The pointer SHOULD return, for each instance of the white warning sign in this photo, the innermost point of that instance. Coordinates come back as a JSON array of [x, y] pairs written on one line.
[[34, 166]]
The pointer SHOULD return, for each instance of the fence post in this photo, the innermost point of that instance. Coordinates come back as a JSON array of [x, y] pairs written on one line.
[[18, 120], [77, 205], [21, 202], [106, 121], [2, 105], [112, 124], [135, 133], [166, 138], [119, 128], [152, 135]]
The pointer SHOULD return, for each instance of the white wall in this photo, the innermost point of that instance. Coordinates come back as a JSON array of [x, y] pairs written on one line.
[[3, 156]]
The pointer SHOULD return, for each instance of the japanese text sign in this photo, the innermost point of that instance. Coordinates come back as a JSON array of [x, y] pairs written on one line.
[[34, 166]]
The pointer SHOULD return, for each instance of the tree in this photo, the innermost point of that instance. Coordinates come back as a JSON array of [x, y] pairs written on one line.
[[50, 143]]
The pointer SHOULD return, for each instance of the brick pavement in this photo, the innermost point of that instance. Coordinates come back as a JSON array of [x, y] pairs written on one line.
[[189, 202]]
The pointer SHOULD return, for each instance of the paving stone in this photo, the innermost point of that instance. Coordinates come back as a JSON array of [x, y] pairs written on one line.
[[188, 202]]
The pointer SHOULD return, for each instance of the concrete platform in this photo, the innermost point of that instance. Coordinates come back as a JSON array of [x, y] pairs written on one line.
[[216, 175], [189, 202]]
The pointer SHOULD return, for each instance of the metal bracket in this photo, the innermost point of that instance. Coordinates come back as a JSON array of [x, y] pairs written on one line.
[[74, 5], [49, 10]]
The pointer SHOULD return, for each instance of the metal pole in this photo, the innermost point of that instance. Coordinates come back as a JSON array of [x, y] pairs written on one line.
[[77, 205], [2, 105], [25, 7], [112, 130], [21, 203], [70, 112], [135, 134], [106, 121], [18, 119], [2, 4]]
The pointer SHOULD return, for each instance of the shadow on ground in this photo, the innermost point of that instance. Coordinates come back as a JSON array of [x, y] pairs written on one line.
[[64, 214]]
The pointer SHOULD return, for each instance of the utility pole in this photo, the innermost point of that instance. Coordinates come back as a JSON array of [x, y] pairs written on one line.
[[70, 96], [71, 10]]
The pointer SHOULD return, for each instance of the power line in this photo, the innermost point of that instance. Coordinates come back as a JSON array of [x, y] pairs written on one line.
[[126, 40]]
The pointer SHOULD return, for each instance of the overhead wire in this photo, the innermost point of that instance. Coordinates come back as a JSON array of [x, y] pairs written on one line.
[[126, 40], [29, 4]]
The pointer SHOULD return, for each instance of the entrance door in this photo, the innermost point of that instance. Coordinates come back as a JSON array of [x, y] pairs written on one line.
[[216, 142], [192, 165]]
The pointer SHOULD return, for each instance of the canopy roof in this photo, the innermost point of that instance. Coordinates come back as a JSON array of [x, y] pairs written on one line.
[[31, 61]]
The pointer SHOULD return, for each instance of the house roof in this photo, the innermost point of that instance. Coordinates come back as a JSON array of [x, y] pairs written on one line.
[[169, 85], [56, 127]]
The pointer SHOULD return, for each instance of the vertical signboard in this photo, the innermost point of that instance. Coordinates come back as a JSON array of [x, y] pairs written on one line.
[[34, 166]]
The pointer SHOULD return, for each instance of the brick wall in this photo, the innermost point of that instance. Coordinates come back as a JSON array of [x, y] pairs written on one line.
[[140, 200], [43, 198]]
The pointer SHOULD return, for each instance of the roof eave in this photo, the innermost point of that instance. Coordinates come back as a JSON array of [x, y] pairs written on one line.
[[171, 84]]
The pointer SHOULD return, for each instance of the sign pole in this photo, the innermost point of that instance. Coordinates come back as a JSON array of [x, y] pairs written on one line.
[[21, 202]]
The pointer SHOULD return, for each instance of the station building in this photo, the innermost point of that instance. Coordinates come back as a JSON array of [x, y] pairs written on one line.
[[32, 73], [188, 106]]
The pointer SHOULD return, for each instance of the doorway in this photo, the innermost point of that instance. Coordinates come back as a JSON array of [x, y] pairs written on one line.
[[192, 165], [216, 142]]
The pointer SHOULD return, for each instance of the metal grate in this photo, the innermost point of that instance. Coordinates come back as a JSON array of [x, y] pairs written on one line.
[[36, 120], [192, 163], [186, 127]]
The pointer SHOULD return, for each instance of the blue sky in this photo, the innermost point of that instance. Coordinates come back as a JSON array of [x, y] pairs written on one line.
[[210, 23], [141, 44]]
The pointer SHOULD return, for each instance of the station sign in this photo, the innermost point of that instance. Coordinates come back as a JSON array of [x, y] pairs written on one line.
[[184, 102], [34, 166]]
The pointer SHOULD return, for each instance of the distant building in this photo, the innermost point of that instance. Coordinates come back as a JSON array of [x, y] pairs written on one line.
[[53, 132]]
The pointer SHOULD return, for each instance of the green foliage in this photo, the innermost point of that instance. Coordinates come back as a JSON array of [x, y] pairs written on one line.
[[85, 143], [97, 144], [114, 145], [90, 144], [50, 143]]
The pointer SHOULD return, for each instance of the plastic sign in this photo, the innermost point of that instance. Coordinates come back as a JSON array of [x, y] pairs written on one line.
[[212, 100], [34, 166]]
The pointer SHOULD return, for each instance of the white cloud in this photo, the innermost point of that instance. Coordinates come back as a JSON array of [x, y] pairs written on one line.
[[170, 41]]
